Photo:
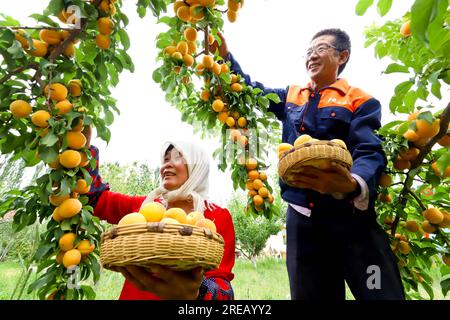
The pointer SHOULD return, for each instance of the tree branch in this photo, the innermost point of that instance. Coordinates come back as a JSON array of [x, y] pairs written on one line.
[[18, 70], [444, 122], [35, 28], [419, 202]]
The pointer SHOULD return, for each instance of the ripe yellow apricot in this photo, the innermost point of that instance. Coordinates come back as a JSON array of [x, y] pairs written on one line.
[[153, 211], [103, 41], [205, 95], [242, 122], [208, 61], [56, 216], [50, 36], [105, 25], [58, 91], [218, 105], [63, 107], [193, 217], [75, 140], [223, 116], [20, 108], [19, 36], [196, 13], [190, 34], [40, 118], [257, 184], [177, 5], [72, 258], [70, 159], [300, 140], [132, 218], [339, 142], [177, 214], [235, 135], [236, 87], [57, 200], [412, 226], [232, 15], [69, 208], [216, 68], [192, 47], [40, 48], [206, 223], [81, 187], [385, 180], [188, 60], [405, 29], [230, 122], [66, 242], [433, 215], [75, 87], [170, 221], [183, 13], [85, 247]]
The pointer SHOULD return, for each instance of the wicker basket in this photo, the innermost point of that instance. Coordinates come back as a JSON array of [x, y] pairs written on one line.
[[177, 246], [318, 154]]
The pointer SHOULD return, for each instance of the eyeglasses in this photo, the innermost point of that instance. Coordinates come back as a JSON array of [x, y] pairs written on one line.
[[319, 49]]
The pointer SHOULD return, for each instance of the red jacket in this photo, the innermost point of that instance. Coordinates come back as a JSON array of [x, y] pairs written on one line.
[[112, 206]]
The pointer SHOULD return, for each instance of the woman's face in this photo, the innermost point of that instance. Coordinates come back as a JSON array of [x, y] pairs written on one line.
[[174, 171]]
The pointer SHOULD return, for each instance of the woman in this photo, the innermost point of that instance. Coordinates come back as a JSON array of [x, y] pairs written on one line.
[[184, 184]]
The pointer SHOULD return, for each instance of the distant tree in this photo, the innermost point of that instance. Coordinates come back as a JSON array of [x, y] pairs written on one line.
[[134, 179], [251, 231]]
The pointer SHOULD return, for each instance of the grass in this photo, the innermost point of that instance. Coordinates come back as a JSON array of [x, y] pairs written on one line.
[[267, 281]]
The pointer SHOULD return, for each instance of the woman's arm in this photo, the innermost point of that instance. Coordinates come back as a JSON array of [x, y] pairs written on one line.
[[108, 205], [216, 283]]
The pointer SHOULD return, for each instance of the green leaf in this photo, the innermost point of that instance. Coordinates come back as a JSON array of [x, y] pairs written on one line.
[[428, 289], [124, 39], [44, 19], [384, 6], [273, 97], [395, 67], [443, 162], [362, 6], [403, 88], [49, 140], [445, 286], [436, 89], [109, 117], [89, 292], [42, 250], [421, 13]]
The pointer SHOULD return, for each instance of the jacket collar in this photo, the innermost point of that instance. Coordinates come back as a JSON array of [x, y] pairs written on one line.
[[340, 85]]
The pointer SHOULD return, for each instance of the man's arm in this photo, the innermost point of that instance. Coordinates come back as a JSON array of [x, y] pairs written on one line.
[[368, 156], [276, 108]]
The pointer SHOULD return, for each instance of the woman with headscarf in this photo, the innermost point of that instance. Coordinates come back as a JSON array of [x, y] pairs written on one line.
[[184, 184]]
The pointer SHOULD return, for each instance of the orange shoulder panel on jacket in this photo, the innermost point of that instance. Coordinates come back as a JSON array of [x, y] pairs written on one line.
[[297, 95], [351, 100], [358, 97]]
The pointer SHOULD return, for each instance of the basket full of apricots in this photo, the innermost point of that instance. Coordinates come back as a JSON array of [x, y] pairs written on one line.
[[308, 151], [170, 238]]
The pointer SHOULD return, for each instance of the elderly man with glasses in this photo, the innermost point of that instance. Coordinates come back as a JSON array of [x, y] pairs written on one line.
[[332, 233]]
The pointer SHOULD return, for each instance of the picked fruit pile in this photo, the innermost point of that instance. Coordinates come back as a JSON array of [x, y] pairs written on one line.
[[170, 238], [308, 151]]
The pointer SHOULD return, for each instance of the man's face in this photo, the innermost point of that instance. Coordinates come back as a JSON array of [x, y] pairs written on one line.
[[322, 59]]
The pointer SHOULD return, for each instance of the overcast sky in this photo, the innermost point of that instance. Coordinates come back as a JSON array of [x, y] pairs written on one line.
[[268, 39]]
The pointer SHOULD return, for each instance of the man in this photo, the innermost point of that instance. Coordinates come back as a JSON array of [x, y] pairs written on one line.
[[332, 233]]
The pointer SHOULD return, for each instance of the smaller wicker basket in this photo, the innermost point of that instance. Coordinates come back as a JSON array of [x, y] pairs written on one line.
[[317, 153], [177, 246]]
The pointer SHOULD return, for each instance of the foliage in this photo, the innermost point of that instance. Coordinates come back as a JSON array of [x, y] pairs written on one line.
[[134, 179], [251, 232], [193, 89], [418, 46]]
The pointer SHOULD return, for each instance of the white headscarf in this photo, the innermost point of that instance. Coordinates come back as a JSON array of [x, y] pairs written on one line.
[[196, 187]]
